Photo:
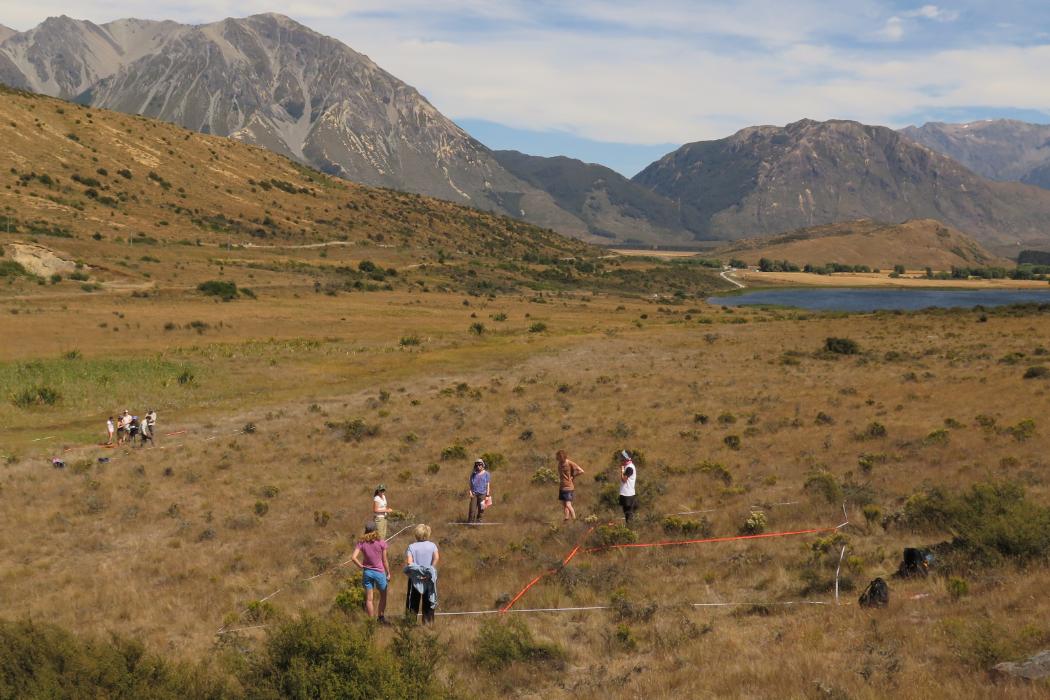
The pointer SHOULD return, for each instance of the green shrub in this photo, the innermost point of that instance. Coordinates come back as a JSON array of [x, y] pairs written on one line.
[[39, 395], [9, 268], [1037, 372], [957, 587], [354, 430], [937, 437], [477, 328], [608, 535], [538, 327], [673, 524], [410, 341], [494, 461], [755, 524], [454, 451], [873, 431], [732, 441], [502, 642], [544, 475], [1023, 430], [841, 346], [39, 660], [225, 290], [313, 657], [824, 484], [351, 599], [988, 523]]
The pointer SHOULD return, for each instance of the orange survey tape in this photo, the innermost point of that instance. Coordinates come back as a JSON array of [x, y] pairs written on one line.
[[669, 543], [568, 557]]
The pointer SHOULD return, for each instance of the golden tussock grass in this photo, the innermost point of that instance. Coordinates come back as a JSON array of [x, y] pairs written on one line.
[[166, 544]]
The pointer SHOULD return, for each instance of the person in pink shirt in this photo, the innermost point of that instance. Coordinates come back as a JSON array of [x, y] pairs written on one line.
[[370, 557]]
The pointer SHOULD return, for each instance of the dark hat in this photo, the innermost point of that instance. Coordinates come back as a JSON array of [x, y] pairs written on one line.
[[370, 526], [381, 487]]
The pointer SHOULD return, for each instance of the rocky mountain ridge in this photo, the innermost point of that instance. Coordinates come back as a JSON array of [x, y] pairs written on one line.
[[269, 81], [767, 179], [999, 149]]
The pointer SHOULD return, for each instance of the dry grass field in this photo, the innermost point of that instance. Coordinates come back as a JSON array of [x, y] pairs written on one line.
[[281, 410]]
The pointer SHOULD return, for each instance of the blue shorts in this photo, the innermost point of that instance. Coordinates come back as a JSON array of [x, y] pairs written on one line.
[[564, 495], [374, 579]]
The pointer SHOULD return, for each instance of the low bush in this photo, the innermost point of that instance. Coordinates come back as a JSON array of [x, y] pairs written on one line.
[[503, 642], [454, 451], [354, 430], [313, 657], [39, 660], [988, 523], [824, 484], [608, 535], [1037, 372], [673, 524], [841, 346], [544, 475], [225, 290], [39, 395], [755, 524]]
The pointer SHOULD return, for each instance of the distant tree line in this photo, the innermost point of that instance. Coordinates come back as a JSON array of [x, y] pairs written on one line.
[[1025, 271]]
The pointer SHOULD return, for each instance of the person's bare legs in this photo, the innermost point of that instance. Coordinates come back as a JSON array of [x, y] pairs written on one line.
[[369, 608], [382, 603], [570, 512]]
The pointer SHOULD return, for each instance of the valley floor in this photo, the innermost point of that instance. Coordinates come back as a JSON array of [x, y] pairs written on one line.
[[279, 417]]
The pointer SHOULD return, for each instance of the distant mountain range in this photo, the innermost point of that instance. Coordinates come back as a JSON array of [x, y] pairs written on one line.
[[612, 206], [767, 179], [1000, 149], [272, 82], [269, 81]]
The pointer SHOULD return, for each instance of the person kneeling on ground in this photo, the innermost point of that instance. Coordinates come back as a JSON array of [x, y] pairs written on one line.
[[567, 473], [370, 557], [628, 474], [479, 491], [421, 561]]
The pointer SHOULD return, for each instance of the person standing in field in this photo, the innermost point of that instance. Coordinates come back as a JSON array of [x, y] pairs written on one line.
[[370, 556], [110, 429], [151, 421], [479, 491], [123, 427], [628, 476], [567, 473], [380, 510], [421, 562], [146, 432]]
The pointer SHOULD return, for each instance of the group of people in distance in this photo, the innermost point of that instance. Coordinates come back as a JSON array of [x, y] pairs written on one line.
[[422, 556], [126, 428]]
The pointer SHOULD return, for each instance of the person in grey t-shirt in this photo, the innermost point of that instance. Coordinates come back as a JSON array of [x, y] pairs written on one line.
[[422, 555]]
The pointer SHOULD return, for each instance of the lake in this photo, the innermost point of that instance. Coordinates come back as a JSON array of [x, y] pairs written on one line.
[[868, 299]]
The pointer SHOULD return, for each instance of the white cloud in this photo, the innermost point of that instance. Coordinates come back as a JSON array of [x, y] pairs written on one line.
[[934, 12], [893, 30]]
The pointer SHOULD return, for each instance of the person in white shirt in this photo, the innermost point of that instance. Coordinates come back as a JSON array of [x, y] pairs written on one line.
[[380, 510], [628, 475], [110, 429]]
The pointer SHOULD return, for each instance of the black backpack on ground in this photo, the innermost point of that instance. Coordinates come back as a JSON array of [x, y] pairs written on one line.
[[876, 595]]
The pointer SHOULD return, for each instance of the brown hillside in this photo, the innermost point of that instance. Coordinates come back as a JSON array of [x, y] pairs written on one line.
[[145, 202], [915, 244]]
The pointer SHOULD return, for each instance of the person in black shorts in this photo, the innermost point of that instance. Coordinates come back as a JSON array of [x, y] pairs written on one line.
[[567, 473]]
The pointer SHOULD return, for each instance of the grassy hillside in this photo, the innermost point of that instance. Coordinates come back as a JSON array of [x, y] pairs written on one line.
[[140, 205], [915, 244]]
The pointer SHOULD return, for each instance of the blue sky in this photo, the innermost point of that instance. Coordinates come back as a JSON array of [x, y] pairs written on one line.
[[622, 82]]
